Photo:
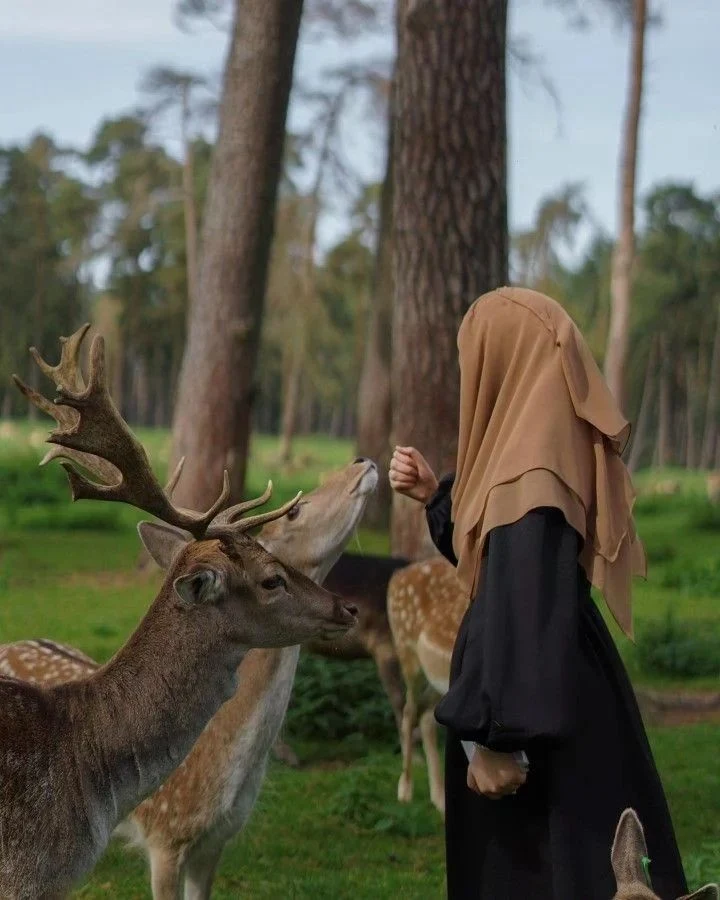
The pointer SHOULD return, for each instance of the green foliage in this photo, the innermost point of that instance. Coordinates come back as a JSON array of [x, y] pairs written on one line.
[[705, 517], [363, 800], [697, 577], [333, 700], [703, 866], [659, 552], [679, 649]]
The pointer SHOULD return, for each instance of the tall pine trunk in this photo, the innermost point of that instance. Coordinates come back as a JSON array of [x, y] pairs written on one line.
[[691, 439], [624, 253], [664, 438], [641, 426], [711, 408], [189, 205], [450, 240], [216, 386], [374, 409]]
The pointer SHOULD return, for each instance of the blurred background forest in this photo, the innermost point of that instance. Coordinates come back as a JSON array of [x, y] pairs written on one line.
[[116, 232]]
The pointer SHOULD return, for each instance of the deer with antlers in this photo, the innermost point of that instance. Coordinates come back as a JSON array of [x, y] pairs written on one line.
[[76, 758], [631, 864], [425, 604]]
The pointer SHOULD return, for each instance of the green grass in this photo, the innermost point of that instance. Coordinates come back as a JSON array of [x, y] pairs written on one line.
[[333, 828]]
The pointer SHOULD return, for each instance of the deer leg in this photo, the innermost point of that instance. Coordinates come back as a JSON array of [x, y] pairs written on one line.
[[200, 873], [409, 717], [164, 874], [392, 681], [428, 729], [285, 753]]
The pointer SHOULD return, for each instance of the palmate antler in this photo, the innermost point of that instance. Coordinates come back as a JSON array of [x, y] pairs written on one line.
[[93, 433]]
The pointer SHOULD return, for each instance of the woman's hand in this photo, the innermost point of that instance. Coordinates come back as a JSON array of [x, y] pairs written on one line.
[[494, 775], [411, 475]]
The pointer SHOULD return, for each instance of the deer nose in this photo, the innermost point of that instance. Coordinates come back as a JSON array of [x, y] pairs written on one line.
[[360, 459], [351, 608]]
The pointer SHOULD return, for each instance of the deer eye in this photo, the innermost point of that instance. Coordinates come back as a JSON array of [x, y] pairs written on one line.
[[272, 584], [294, 512]]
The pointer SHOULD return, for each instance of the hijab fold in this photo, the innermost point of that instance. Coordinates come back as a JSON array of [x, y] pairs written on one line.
[[539, 427]]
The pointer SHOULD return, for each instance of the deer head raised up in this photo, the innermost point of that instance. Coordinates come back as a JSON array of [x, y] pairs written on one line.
[[80, 756]]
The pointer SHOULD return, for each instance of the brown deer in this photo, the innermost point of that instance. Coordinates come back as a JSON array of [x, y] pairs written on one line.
[[77, 758], [425, 604], [629, 852]]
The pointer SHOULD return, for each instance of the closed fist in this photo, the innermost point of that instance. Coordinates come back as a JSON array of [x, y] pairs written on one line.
[[411, 475]]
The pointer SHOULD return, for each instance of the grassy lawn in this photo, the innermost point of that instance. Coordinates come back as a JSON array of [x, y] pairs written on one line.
[[331, 829]]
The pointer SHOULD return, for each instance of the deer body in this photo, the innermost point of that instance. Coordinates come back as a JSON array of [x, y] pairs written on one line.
[[76, 758], [183, 826], [425, 604]]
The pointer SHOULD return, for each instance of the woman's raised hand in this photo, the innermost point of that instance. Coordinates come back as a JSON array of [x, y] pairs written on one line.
[[411, 475]]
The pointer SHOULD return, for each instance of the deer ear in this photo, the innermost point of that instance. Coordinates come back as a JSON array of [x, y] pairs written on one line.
[[709, 892], [628, 850], [163, 542], [202, 586]]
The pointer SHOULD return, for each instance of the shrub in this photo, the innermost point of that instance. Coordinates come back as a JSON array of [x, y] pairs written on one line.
[[659, 553], [705, 516], [71, 518], [333, 699], [22, 485], [697, 577], [364, 800], [679, 649]]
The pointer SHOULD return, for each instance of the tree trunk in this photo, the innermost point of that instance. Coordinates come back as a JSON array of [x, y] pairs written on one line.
[[291, 401], [7, 405], [141, 391], [450, 240], [711, 409], [216, 386], [189, 206], [640, 430], [664, 428], [690, 443], [374, 409], [624, 253]]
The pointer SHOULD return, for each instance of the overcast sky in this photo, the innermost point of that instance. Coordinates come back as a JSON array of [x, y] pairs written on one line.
[[65, 64]]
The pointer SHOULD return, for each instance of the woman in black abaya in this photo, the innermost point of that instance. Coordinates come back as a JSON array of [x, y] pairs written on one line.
[[537, 511]]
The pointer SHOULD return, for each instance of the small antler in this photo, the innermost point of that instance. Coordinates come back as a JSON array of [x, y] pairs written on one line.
[[229, 519], [93, 433]]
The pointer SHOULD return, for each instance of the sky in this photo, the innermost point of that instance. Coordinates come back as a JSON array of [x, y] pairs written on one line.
[[66, 65]]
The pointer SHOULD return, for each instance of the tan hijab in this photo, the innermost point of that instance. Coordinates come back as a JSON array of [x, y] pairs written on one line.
[[539, 427]]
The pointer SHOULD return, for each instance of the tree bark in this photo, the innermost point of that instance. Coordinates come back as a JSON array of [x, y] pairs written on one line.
[[450, 240], [691, 442], [624, 253], [189, 205], [664, 412], [374, 406], [216, 386], [711, 409], [641, 427]]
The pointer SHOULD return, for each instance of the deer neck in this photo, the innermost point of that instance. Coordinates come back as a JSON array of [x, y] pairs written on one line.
[[139, 715]]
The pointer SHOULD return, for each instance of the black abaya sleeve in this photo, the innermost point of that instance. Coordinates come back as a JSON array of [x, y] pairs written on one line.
[[438, 512], [514, 669]]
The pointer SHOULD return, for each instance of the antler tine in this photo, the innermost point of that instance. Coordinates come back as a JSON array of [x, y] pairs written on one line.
[[63, 415], [253, 521], [67, 371], [232, 513], [175, 477], [66, 417], [99, 432]]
